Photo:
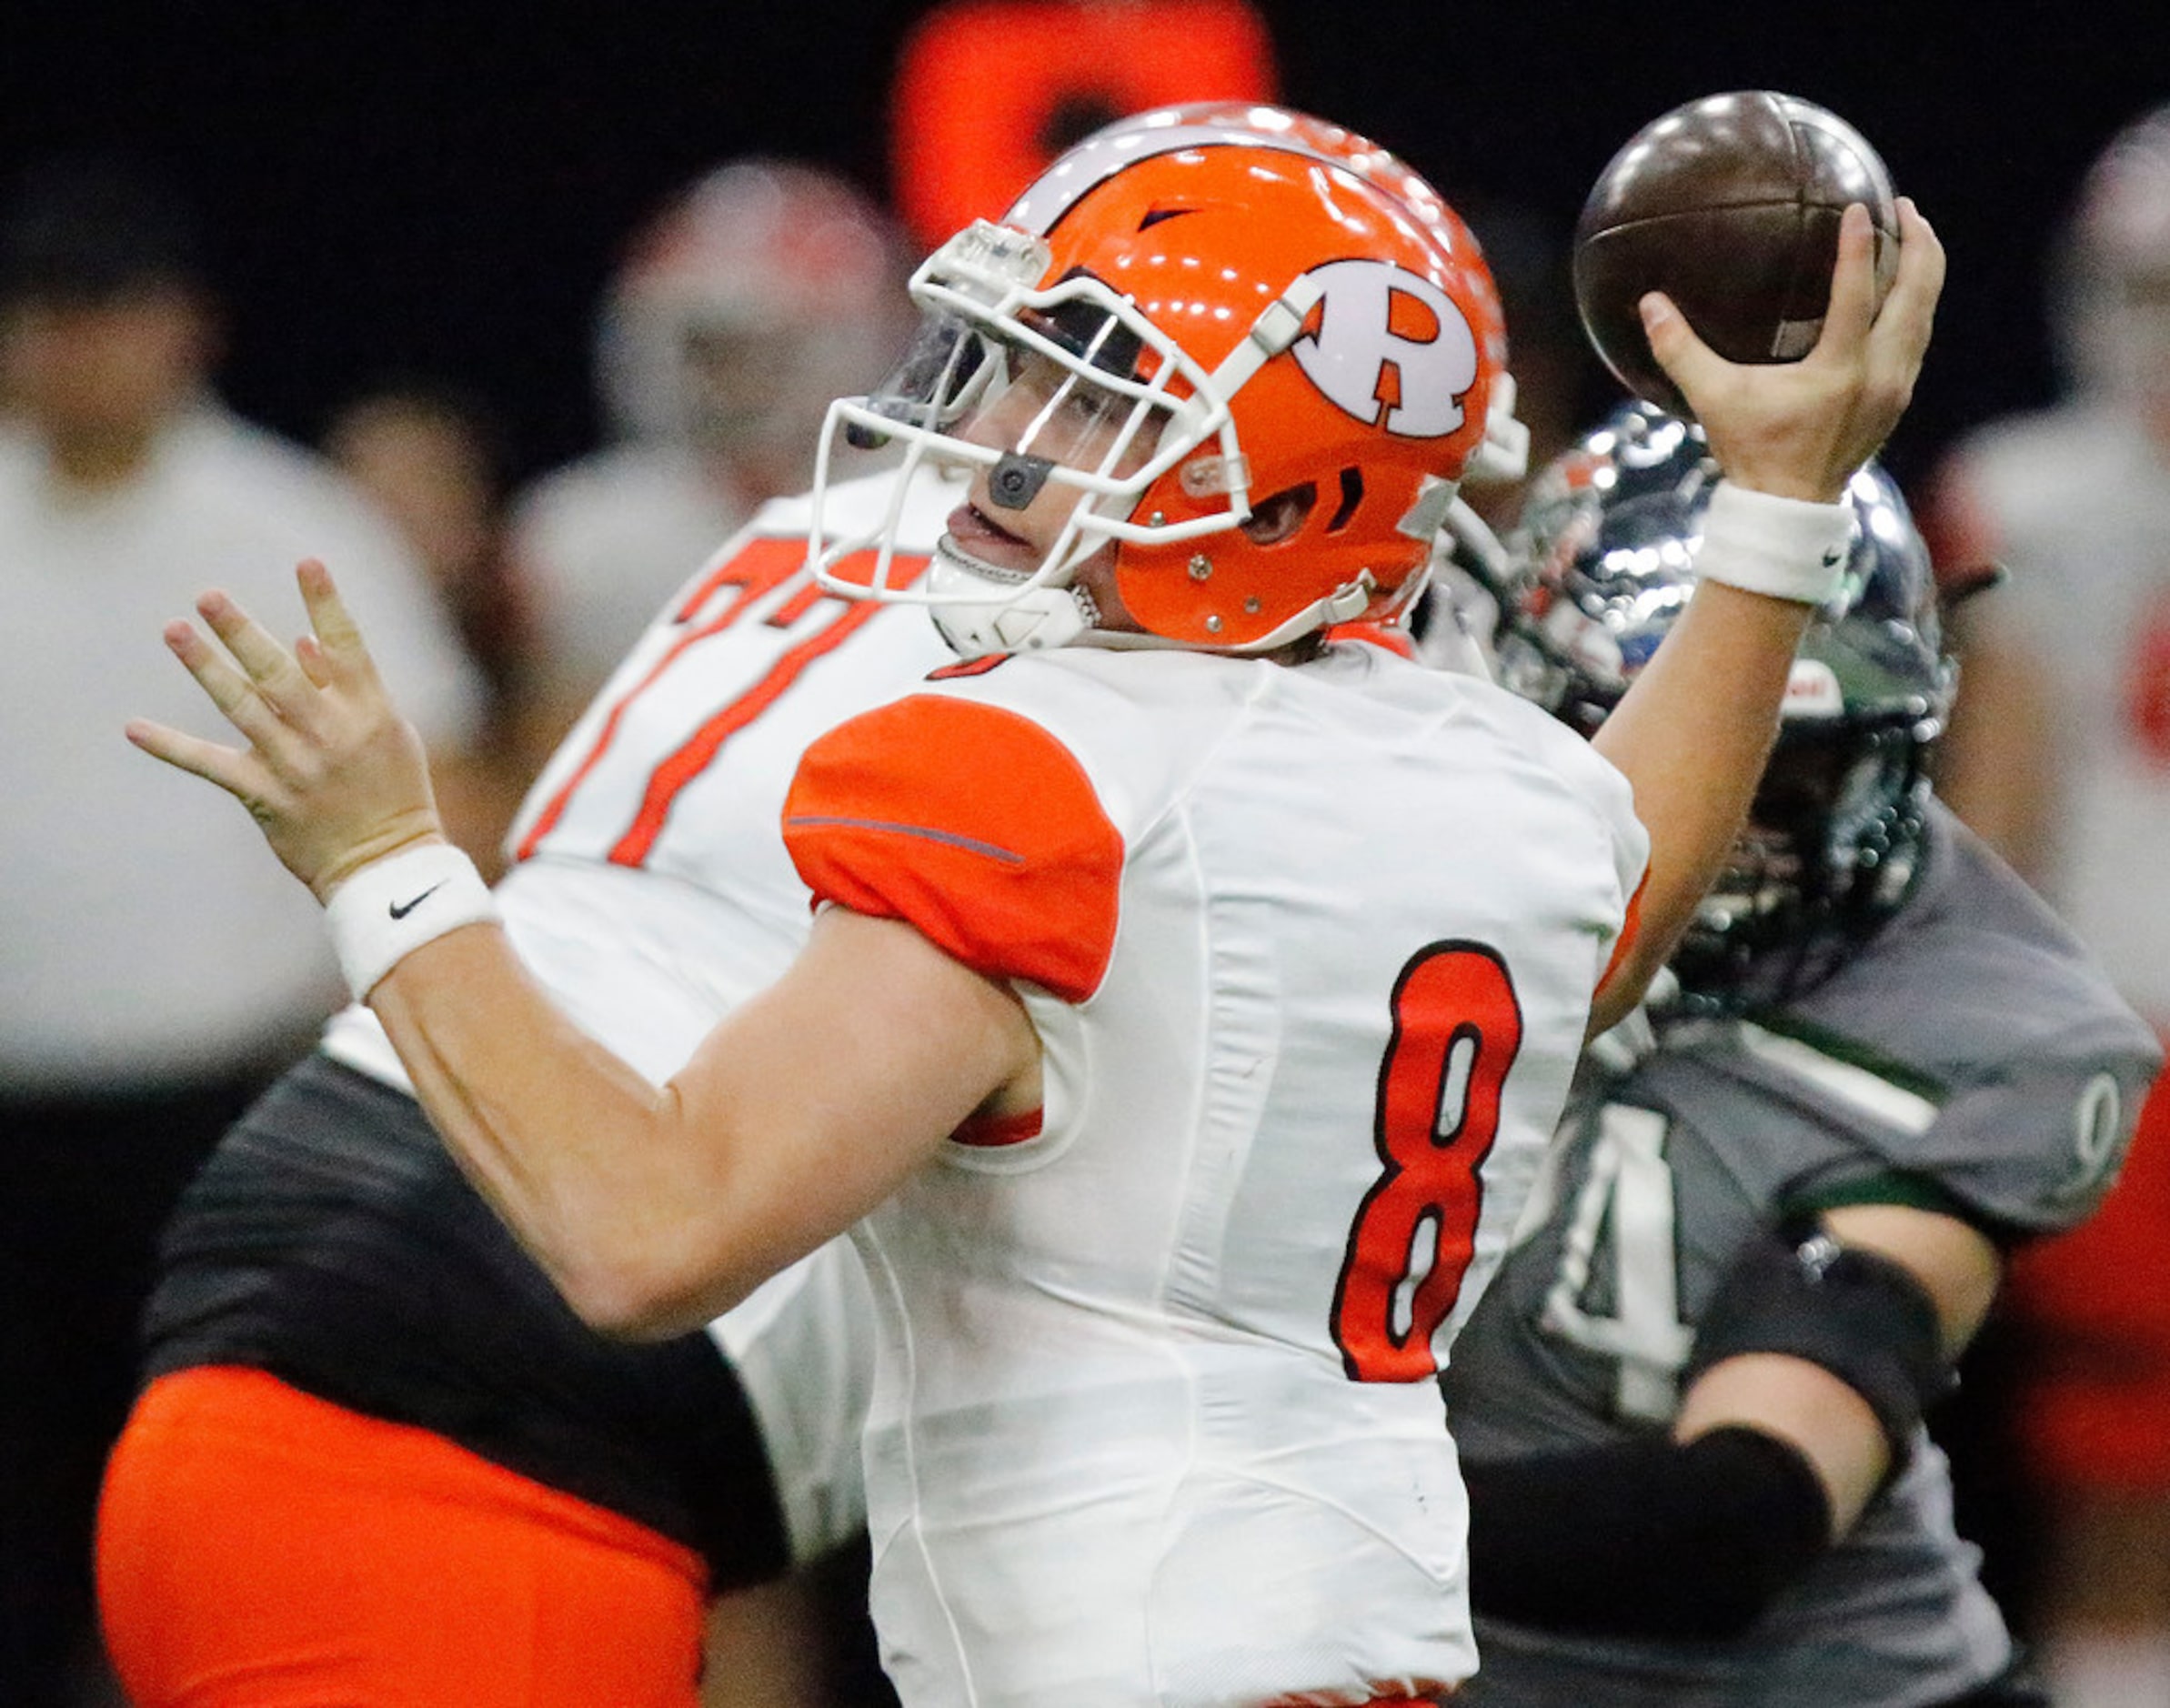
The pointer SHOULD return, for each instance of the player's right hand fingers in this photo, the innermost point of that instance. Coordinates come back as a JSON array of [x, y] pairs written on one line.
[[1679, 348], [1892, 353]]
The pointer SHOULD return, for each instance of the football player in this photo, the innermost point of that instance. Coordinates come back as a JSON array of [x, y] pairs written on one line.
[[1129, 923], [1690, 1405], [376, 1450], [333, 1284]]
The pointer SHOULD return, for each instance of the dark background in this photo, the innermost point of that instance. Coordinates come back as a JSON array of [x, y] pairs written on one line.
[[445, 186]]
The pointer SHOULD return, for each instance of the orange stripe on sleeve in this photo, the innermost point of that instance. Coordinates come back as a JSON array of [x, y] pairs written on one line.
[[971, 824], [1630, 929], [992, 1133]]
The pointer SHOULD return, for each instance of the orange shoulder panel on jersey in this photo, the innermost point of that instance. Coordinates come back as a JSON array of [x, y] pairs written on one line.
[[971, 824]]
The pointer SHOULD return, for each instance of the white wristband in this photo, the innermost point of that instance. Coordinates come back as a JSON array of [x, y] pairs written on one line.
[[395, 905], [1790, 548]]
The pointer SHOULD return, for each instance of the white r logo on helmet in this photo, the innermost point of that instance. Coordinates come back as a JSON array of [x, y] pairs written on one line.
[[1388, 347]]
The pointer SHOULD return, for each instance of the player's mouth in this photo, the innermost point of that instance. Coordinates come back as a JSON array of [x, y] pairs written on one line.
[[987, 543]]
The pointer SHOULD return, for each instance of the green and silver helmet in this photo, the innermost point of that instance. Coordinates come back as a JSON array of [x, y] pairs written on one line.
[[1602, 564]]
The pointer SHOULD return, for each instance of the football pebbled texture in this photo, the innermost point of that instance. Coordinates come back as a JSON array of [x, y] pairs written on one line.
[[1730, 205]]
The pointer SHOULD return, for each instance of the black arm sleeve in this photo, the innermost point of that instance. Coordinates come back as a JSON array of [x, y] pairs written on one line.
[[1644, 1538], [1855, 1312]]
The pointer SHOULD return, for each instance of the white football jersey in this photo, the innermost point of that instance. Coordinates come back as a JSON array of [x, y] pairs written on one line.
[[679, 771], [1310, 952]]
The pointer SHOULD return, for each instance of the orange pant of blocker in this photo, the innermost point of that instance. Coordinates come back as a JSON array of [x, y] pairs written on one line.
[[260, 1548]]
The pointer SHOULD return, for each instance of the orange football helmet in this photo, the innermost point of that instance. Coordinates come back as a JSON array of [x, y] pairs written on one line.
[[1201, 318], [1504, 454]]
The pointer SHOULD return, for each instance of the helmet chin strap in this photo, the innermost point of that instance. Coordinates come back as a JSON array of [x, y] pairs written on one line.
[[1008, 620]]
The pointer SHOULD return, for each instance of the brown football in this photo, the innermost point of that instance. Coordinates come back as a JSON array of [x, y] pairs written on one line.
[[1729, 205]]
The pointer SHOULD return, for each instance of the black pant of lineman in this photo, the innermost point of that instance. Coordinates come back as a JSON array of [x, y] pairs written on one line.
[[86, 1182]]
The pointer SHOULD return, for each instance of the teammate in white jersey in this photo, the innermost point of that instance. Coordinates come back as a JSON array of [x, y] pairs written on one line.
[[375, 1454], [1689, 1407], [1204, 1091], [755, 294]]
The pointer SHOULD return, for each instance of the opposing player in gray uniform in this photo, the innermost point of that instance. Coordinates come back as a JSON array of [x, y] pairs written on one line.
[[1691, 1405]]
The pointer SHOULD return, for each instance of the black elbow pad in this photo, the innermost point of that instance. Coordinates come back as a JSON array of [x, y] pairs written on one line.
[[1861, 1316]]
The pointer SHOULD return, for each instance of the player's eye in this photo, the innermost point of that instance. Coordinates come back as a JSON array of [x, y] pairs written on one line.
[[1084, 405]]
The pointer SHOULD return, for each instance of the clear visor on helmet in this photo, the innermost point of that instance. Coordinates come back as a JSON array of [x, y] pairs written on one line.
[[1059, 405]]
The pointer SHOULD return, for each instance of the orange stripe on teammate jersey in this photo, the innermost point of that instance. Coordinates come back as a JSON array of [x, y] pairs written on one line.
[[971, 824], [763, 563], [797, 606], [763, 566], [691, 760]]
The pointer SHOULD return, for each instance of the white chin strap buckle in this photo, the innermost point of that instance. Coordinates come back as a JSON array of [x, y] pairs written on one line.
[[1007, 618], [1347, 602]]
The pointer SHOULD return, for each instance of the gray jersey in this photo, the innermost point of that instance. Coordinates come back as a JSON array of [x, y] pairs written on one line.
[[1970, 1051]]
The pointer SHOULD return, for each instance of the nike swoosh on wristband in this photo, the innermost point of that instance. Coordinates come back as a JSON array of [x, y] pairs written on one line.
[[400, 910]]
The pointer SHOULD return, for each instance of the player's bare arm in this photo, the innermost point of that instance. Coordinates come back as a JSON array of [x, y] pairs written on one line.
[[651, 1207], [1693, 733]]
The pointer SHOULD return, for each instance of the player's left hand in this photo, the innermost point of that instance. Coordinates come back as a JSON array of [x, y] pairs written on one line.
[[332, 774]]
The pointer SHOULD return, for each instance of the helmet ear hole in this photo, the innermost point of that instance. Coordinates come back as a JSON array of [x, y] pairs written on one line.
[[1281, 514], [1352, 495]]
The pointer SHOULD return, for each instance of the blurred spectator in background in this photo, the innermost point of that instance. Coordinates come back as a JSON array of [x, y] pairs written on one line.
[[150, 979], [754, 297], [430, 456], [2060, 755]]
